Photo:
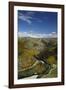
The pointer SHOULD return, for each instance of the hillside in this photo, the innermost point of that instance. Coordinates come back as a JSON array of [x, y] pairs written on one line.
[[37, 56]]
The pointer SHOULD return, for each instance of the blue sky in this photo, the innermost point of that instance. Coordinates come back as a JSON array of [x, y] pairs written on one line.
[[37, 23]]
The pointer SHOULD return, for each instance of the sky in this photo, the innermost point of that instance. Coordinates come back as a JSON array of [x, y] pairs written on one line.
[[37, 24]]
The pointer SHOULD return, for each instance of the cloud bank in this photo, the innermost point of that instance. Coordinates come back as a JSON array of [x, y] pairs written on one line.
[[37, 35]]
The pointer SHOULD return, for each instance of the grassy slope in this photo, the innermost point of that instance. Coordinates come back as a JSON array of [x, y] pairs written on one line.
[[28, 65]]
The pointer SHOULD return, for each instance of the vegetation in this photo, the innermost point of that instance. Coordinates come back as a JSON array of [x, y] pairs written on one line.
[[37, 56]]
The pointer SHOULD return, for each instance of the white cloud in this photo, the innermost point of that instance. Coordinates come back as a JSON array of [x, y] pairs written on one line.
[[25, 18], [53, 34], [28, 17], [34, 35]]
